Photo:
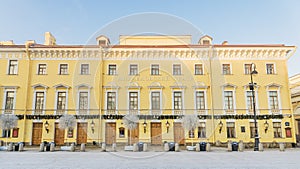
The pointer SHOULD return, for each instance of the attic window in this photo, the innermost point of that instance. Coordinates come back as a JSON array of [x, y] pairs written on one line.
[[206, 42], [102, 42]]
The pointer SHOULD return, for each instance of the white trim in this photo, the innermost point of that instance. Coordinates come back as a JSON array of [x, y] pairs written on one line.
[[205, 101], [230, 121], [151, 68], [128, 101], [277, 120], [55, 100], [77, 100], [111, 90], [89, 71], [203, 73], [230, 66], [137, 69], [274, 64], [160, 100], [38, 65], [34, 99], [4, 99], [181, 71], [8, 67], [68, 68], [182, 97]]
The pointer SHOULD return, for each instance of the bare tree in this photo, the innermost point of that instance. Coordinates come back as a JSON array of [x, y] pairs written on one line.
[[190, 122], [130, 122], [67, 121], [8, 122]]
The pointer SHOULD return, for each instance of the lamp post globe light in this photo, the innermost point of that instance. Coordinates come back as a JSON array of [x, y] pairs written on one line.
[[251, 86]]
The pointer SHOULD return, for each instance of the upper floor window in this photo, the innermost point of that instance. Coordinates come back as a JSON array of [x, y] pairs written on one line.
[[176, 69], [248, 69], [200, 100], [270, 68], [178, 100], [111, 100], [83, 100], [13, 67], [250, 101], [226, 69], [155, 100], [112, 69], [85, 68], [273, 100], [9, 101], [154, 69], [228, 98], [63, 69], [133, 69], [198, 69], [133, 100], [61, 100], [39, 101], [42, 69]]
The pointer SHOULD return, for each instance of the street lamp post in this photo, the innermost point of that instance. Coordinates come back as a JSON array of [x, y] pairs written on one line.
[[251, 86]]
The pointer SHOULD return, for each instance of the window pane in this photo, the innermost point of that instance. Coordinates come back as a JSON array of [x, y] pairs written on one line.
[[154, 69], [133, 100], [42, 69], [200, 101], [61, 101], [83, 100], [112, 69], [177, 100], [63, 70], [155, 98], [133, 70], [177, 69], [198, 69], [248, 68], [13, 67], [39, 100], [111, 101], [9, 101], [84, 69], [226, 69], [228, 100]]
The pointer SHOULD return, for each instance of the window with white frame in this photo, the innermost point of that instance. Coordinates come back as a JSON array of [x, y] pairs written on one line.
[[198, 69], [202, 130], [252, 130], [111, 101], [155, 100], [273, 100], [133, 69], [112, 69], [63, 69], [133, 100], [277, 129], [42, 69], [230, 129], [200, 100], [248, 69], [250, 101], [228, 99], [83, 101], [39, 102], [84, 69], [13, 67], [176, 69], [226, 69], [61, 101], [177, 100], [9, 101], [270, 68], [155, 69]]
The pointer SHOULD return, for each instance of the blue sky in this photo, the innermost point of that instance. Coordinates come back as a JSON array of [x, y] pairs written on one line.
[[75, 21]]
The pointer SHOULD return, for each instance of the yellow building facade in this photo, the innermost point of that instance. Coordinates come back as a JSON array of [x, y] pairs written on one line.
[[160, 79]]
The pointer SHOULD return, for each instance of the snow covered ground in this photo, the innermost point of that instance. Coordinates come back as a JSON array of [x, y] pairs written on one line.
[[94, 158]]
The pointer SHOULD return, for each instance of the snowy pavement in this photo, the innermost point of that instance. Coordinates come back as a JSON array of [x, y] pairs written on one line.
[[150, 160]]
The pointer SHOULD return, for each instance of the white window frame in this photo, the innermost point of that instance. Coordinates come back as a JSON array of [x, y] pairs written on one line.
[[279, 101], [202, 68], [160, 100], [106, 94], [89, 71], [110, 64], [128, 101], [59, 73], [137, 73], [38, 66], [77, 103], [245, 66], [256, 101], [4, 99], [17, 69], [34, 99], [181, 70], [158, 69], [205, 102], [230, 65], [183, 107], [275, 71], [67, 100], [233, 101]]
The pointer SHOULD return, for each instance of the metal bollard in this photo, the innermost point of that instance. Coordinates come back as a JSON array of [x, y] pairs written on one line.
[[82, 147], [42, 146]]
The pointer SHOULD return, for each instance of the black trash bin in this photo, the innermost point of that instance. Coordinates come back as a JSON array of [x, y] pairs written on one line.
[[171, 146], [235, 146], [16, 146], [140, 146], [202, 146], [48, 146]]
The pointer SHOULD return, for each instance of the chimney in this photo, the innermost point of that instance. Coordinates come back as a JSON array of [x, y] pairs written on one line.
[[49, 39]]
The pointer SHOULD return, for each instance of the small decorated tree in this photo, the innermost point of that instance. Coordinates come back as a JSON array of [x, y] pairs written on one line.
[[68, 122], [8, 122], [190, 123], [130, 122]]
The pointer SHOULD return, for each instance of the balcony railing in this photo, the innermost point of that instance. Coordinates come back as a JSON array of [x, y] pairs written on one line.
[[275, 111], [38, 112], [229, 111], [178, 112], [111, 112], [8, 111], [60, 112]]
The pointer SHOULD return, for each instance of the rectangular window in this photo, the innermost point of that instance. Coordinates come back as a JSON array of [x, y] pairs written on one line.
[[277, 129], [5, 133], [154, 69], [200, 101], [248, 69], [112, 69], [42, 69], [13, 67], [252, 130], [9, 101], [85, 69], [270, 69], [228, 98], [273, 100], [133, 69], [155, 100], [249, 101], [63, 69], [202, 130], [111, 100], [177, 69], [178, 100], [83, 100], [133, 100], [198, 69], [39, 101], [191, 134], [230, 130], [61, 101], [226, 69]]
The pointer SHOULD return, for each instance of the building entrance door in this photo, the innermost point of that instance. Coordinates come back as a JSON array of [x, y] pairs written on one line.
[[59, 135], [179, 134], [81, 133], [156, 138], [110, 133], [37, 131]]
